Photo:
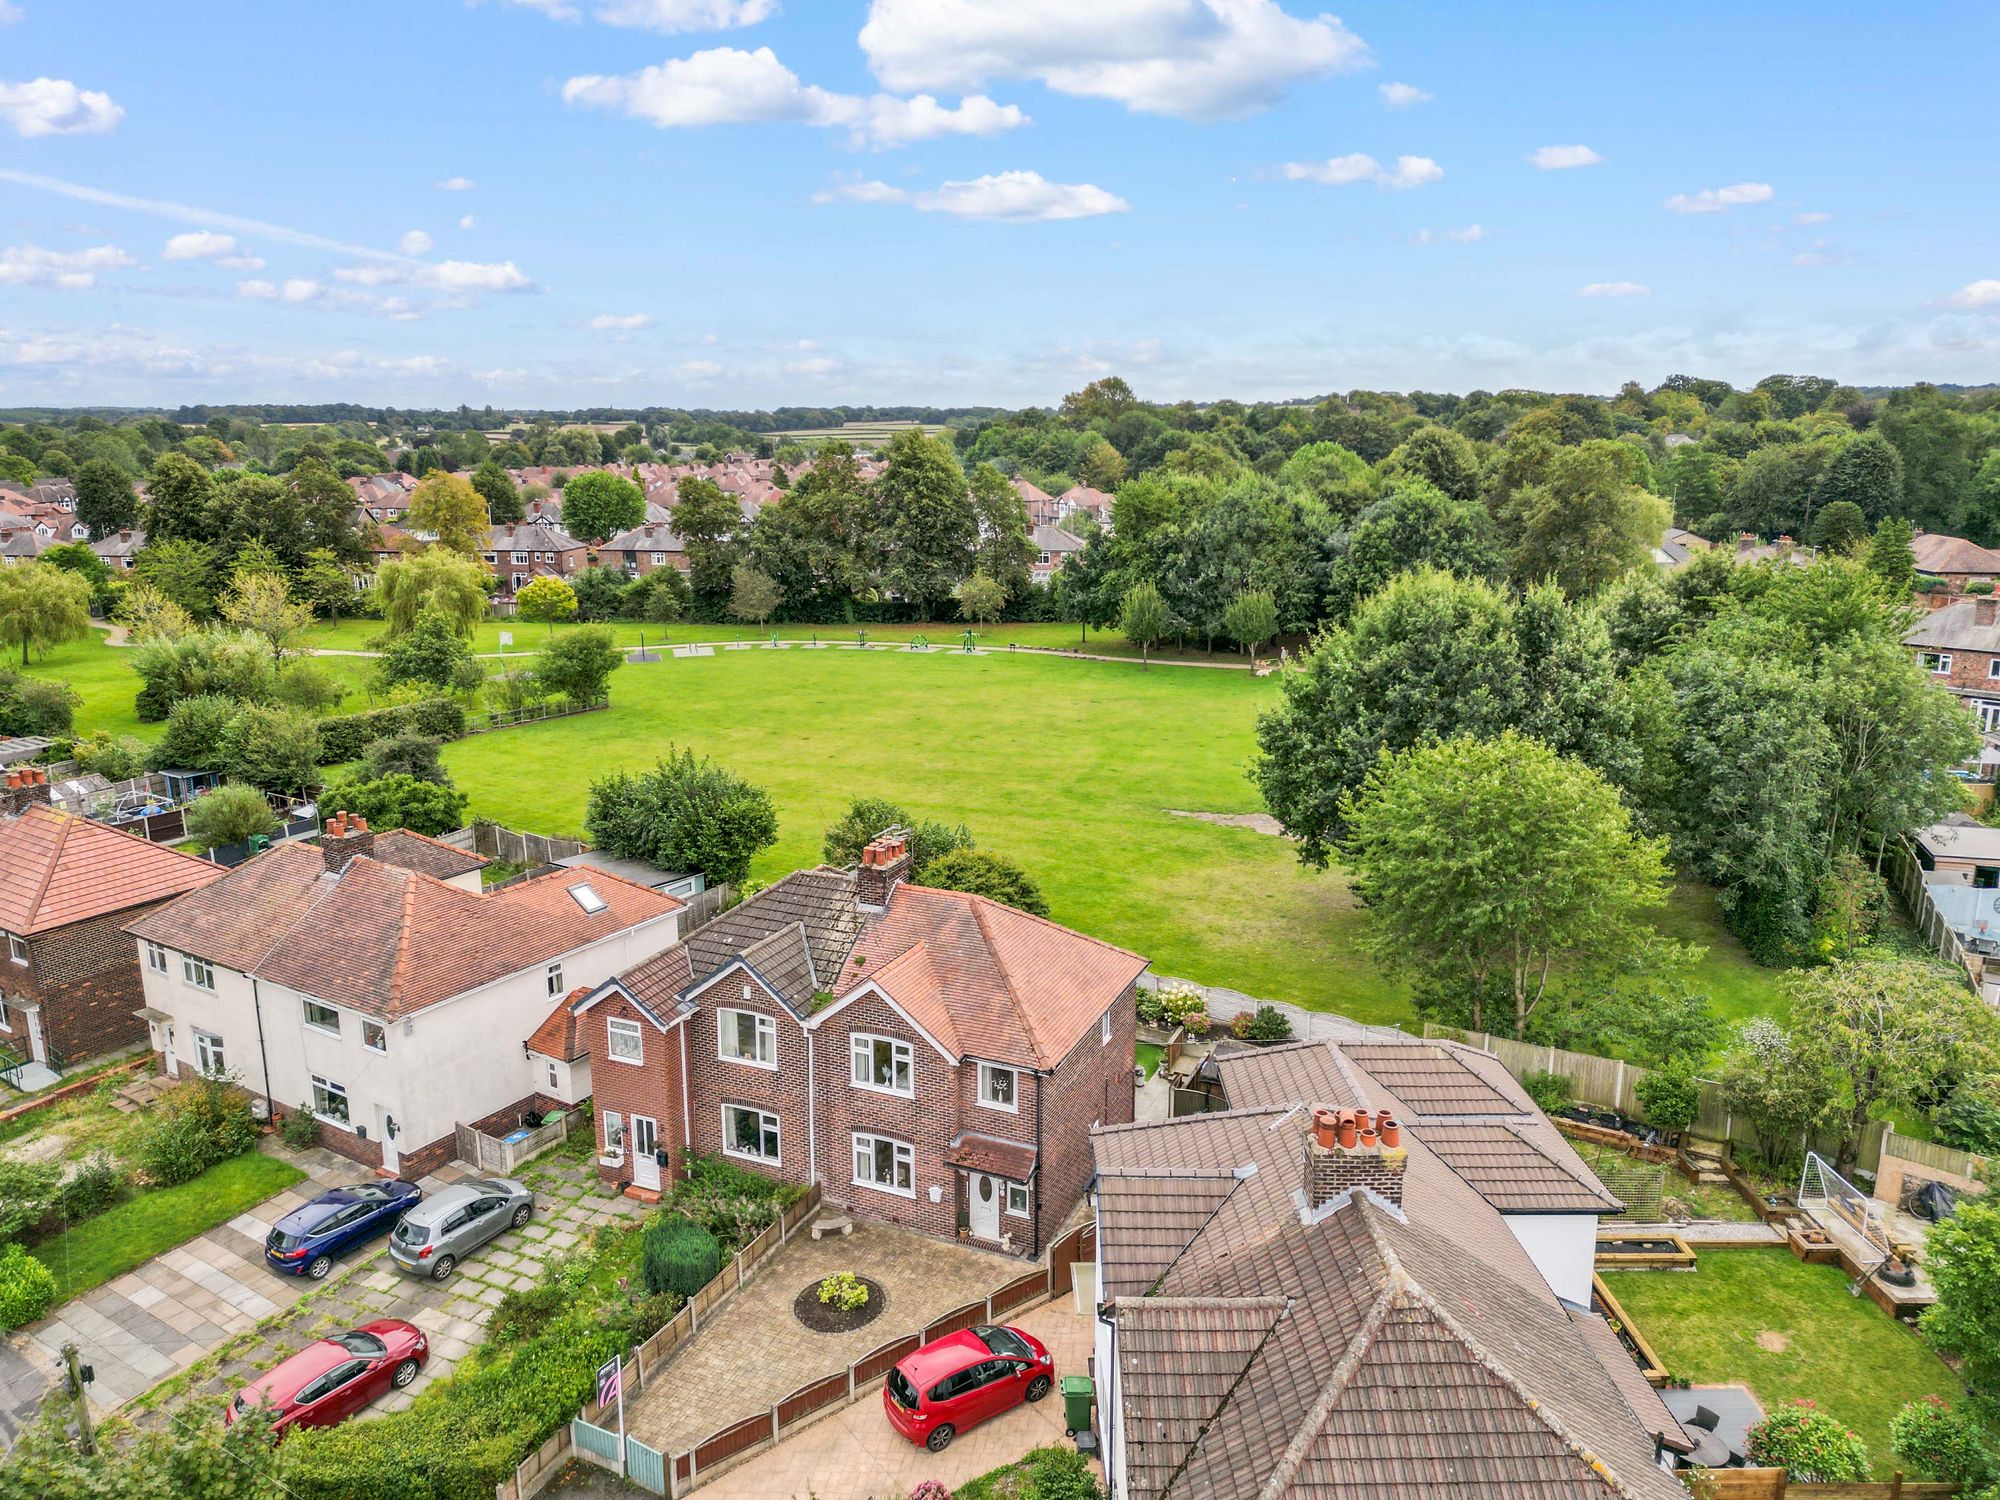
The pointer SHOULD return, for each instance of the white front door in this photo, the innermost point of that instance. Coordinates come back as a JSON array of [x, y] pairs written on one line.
[[173, 1063], [392, 1159], [645, 1168], [984, 1192]]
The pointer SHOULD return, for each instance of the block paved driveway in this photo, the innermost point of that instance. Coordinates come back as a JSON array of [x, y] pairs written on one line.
[[854, 1454], [755, 1351], [210, 1307]]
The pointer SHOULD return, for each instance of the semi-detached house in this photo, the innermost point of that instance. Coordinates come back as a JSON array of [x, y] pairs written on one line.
[[930, 1058], [391, 1002]]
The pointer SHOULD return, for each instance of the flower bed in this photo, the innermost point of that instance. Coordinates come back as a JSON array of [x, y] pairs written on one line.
[[824, 1313]]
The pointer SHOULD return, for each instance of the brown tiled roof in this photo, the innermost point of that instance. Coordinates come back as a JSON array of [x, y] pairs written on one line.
[[1147, 1220], [383, 939], [1009, 1159], [1937, 553], [1514, 1174], [556, 1036], [425, 855], [819, 903], [1431, 1080], [56, 868]]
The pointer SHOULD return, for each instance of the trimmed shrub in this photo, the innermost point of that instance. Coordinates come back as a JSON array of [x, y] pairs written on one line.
[[844, 1290], [1935, 1440], [300, 1128], [27, 1287], [440, 718], [230, 815], [347, 737], [1810, 1445], [1057, 1473], [678, 1255], [197, 737], [1670, 1096], [1264, 1024], [196, 1124]]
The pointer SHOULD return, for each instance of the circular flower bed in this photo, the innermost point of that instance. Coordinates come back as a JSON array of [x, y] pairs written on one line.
[[829, 1317]]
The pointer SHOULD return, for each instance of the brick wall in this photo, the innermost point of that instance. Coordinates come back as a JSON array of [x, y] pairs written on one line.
[[1331, 1173], [651, 1088], [714, 1081], [1093, 1083], [86, 978], [926, 1122], [508, 1117]]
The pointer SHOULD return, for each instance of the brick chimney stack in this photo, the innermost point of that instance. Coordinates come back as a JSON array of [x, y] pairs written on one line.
[[344, 837], [26, 785], [1984, 608], [885, 861], [1354, 1148]]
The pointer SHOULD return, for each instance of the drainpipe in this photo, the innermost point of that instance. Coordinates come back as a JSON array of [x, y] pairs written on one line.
[[1041, 1085], [812, 1114], [257, 1006], [687, 1119]]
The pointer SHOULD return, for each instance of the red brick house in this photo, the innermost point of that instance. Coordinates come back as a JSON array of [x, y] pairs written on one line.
[[1959, 645], [644, 548], [521, 552], [70, 987], [929, 1058], [1954, 560]]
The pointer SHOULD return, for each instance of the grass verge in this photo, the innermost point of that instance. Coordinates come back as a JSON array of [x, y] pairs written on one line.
[[137, 1230]]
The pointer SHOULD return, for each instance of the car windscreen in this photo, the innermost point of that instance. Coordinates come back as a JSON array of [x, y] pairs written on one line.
[[358, 1342], [280, 1240], [408, 1233], [900, 1388], [1005, 1341]]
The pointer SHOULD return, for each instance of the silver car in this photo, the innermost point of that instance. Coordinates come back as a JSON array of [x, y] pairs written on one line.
[[437, 1233]]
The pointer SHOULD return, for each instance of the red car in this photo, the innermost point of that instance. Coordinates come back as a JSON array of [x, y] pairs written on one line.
[[332, 1379], [960, 1380]]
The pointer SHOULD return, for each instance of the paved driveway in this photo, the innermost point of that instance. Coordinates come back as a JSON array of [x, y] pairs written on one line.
[[855, 1454]]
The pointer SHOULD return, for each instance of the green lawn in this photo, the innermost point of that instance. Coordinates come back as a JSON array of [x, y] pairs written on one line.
[[1764, 1319], [103, 678], [135, 1231], [1147, 1055], [1736, 985]]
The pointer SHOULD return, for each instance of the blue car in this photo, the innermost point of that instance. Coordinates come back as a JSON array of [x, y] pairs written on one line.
[[305, 1241]]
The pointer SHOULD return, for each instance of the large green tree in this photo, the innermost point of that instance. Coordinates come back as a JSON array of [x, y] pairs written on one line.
[[1414, 524], [448, 509], [925, 529], [1587, 520], [440, 580], [601, 504], [105, 499], [684, 814], [496, 488], [42, 607]]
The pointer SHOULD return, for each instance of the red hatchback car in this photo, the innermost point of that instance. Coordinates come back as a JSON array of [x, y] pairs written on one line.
[[960, 1380], [332, 1379]]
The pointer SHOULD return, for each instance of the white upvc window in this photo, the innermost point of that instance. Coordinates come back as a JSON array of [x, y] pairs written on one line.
[[614, 1132], [885, 1164], [743, 1036], [208, 1053], [17, 948], [521, 557], [659, 559], [1989, 716], [375, 1036], [1017, 1199], [555, 1083], [750, 1133], [322, 1017], [624, 1041], [156, 958], [883, 1064], [553, 979], [198, 972], [1937, 663], [997, 1087], [330, 1100], [1104, 1029], [1042, 558]]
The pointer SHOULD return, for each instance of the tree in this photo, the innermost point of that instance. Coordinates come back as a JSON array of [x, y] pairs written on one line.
[[600, 593], [981, 599], [1889, 1029], [262, 602], [397, 801], [326, 584], [1100, 466], [1962, 1260], [1105, 399], [1144, 620], [407, 754], [708, 520], [447, 508], [684, 814], [925, 529], [1414, 525], [42, 607], [184, 571], [1670, 1095], [659, 597], [1840, 527], [274, 747], [197, 733], [1439, 457], [1588, 520], [600, 504], [77, 558], [1489, 866], [1251, 619], [867, 817], [232, 814], [195, 1454], [985, 873], [1002, 550], [752, 594], [1866, 473], [180, 502], [579, 666], [437, 581], [1892, 556], [496, 488], [430, 653], [546, 600], [105, 499]]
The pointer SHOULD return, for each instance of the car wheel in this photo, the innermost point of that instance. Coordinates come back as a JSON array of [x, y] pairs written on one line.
[[1038, 1387], [522, 1213], [940, 1438], [321, 1264], [405, 1373], [443, 1268]]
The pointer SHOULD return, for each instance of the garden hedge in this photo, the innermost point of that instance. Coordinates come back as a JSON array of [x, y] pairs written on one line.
[[347, 737]]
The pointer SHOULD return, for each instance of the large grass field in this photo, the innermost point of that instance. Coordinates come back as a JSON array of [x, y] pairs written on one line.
[[1787, 1330]]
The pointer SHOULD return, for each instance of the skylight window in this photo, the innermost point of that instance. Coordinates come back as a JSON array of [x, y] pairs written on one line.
[[586, 896]]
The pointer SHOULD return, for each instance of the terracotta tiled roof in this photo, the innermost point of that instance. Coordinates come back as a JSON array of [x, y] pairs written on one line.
[[1009, 1159], [557, 1035], [383, 939], [426, 855], [56, 868]]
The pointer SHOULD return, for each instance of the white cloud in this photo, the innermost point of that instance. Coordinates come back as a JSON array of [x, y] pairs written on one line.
[[1715, 200], [699, 369], [1814, 217], [1197, 59], [1403, 95], [685, 15], [455, 276], [1471, 234], [1982, 293], [728, 86], [622, 322], [1345, 171], [456, 185], [468, 222], [206, 244], [55, 106], [69, 270], [296, 289], [1008, 197], [555, 10], [1615, 289], [415, 242], [811, 367], [1561, 158]]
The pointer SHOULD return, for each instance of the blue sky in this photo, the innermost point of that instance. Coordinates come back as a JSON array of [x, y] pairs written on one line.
[[748, 203]]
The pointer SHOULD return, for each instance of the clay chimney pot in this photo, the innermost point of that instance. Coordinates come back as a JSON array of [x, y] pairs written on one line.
[[1325, 1128], [1368, 1140], [1347, 1130], [1392, 1133]]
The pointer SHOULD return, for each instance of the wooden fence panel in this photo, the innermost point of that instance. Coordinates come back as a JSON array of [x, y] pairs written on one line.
[[732, 1440], [1938, 1158], [1022, 1289], [956, 1319], [880, 1360], [809, 1398]]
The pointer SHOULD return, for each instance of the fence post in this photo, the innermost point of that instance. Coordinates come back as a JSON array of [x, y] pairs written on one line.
[[1896, 1486], [774, 1424]]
